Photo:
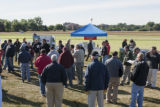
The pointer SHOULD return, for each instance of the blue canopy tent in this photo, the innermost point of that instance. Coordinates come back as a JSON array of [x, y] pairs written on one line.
[[88, 31]]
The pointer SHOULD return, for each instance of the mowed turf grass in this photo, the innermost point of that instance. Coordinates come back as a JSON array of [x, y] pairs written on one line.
[[18, 94]]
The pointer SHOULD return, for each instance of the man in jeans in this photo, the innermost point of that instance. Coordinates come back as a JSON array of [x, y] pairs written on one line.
[[41, 62], [24, 58], [127, 66], [153, 59], [54, 77], [79, 62], [115, 69], [139, 78], [96, 81], [10, 50], [66, 60]]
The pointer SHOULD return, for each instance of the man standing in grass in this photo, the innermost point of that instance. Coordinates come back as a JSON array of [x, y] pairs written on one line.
[[153, 59], [139, 78], [115, 69], [79, 63], [17, 45], [127, 66], [96, 81], [89, 48], [41, 62], [10, 51], [54, 77], [24, 58]]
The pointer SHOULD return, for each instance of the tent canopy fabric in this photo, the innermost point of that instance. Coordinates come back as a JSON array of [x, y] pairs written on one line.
[[89, 31]]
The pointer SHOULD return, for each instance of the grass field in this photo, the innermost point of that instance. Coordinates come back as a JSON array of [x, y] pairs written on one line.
[[18, 94]]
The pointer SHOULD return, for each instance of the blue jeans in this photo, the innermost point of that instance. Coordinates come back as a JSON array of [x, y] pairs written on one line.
[[9, 63], [137, 95], [25, 71], [104, 59], [42, 86], [69, 75]]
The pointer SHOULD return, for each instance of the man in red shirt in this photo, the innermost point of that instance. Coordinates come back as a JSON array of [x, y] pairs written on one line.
[[41, 62]]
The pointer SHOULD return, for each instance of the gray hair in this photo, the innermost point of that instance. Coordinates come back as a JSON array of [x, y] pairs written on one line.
[[54, 57]]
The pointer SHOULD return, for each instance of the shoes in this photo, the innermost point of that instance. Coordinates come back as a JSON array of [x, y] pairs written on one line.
[[43, 95], [22, 81]]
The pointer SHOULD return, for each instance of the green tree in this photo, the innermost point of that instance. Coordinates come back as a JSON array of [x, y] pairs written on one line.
[[51, 27], [156, 27], [59, 27], [16, 26]]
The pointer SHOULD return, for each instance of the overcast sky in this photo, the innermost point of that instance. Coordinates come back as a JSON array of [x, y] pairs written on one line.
[[81, 11]]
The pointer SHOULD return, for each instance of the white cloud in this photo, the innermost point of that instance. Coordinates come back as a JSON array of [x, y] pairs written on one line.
[[114, 4]]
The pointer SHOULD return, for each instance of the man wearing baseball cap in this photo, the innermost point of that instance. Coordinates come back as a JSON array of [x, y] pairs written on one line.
[[96, 81]]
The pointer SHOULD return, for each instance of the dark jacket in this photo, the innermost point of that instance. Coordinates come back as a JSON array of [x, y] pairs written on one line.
[[114, 67], [96, 77], [124, 43], [17, 46], [24, 56], [60, 48], [104, 51], [128, 56], [4, 46], [140, 73], [37, 47], [54, 73], [153, 60], [10, 51], [46, 47], [66, 59], [90, 47]]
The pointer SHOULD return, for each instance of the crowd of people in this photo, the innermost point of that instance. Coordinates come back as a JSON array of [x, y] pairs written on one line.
[[57, 65]]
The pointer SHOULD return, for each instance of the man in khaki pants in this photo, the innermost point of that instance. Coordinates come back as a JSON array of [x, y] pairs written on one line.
[[115, 69], [54, 76]]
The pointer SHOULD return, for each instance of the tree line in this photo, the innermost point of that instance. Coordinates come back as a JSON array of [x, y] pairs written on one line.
[[36, 24]]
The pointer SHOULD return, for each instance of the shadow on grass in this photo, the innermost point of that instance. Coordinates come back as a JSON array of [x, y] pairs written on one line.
[[74, 103], [123, 92], [12, 99], [77, 88], [122, 105], [152, 100]]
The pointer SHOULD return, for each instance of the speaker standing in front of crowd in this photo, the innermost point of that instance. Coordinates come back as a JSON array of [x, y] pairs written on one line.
[[153, 59], [45, 46], [115, 69], [37, 48], [96, 81], [89, 49], [139, 78]]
